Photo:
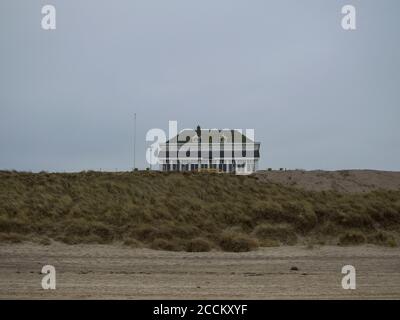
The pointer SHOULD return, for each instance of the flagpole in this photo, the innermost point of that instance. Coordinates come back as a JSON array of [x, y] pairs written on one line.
[[134, 143]]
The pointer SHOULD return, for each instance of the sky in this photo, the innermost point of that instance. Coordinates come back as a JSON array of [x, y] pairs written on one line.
[[317, 96]]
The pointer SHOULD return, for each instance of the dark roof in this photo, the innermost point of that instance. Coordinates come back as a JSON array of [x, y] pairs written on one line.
[[228, 135]]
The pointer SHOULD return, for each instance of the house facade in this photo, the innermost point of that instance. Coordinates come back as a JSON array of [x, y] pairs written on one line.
[[214, 150]]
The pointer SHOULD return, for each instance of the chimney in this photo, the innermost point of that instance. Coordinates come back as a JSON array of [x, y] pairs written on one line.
[[198, 131]]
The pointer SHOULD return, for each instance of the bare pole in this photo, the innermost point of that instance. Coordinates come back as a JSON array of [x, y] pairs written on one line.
[[134, 144], [151, 156]]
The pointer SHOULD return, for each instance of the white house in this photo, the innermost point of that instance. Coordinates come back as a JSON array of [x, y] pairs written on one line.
[[210, 150]]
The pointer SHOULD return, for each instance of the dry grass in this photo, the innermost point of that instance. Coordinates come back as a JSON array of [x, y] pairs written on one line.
[[188, 212]]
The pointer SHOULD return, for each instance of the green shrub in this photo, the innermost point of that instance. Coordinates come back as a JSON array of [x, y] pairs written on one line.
[[352, 238], [148, 233], [101, 230], [13, 225], [132, 243], [77, 227], [11, 237], [45, 241], [237, 242], [282, 233], [269, 243], [383, 238], [163, 244], [198, 245]]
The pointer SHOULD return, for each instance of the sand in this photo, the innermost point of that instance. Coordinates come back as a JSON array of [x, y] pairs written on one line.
[[117, 272]]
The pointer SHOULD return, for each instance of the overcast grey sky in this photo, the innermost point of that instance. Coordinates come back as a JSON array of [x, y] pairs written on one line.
[[317, 96]]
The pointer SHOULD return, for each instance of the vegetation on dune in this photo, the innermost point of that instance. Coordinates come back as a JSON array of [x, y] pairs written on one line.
[[188, 211]]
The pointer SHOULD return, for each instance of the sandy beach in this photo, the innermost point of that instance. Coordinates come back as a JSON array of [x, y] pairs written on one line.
[[118, 272]]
